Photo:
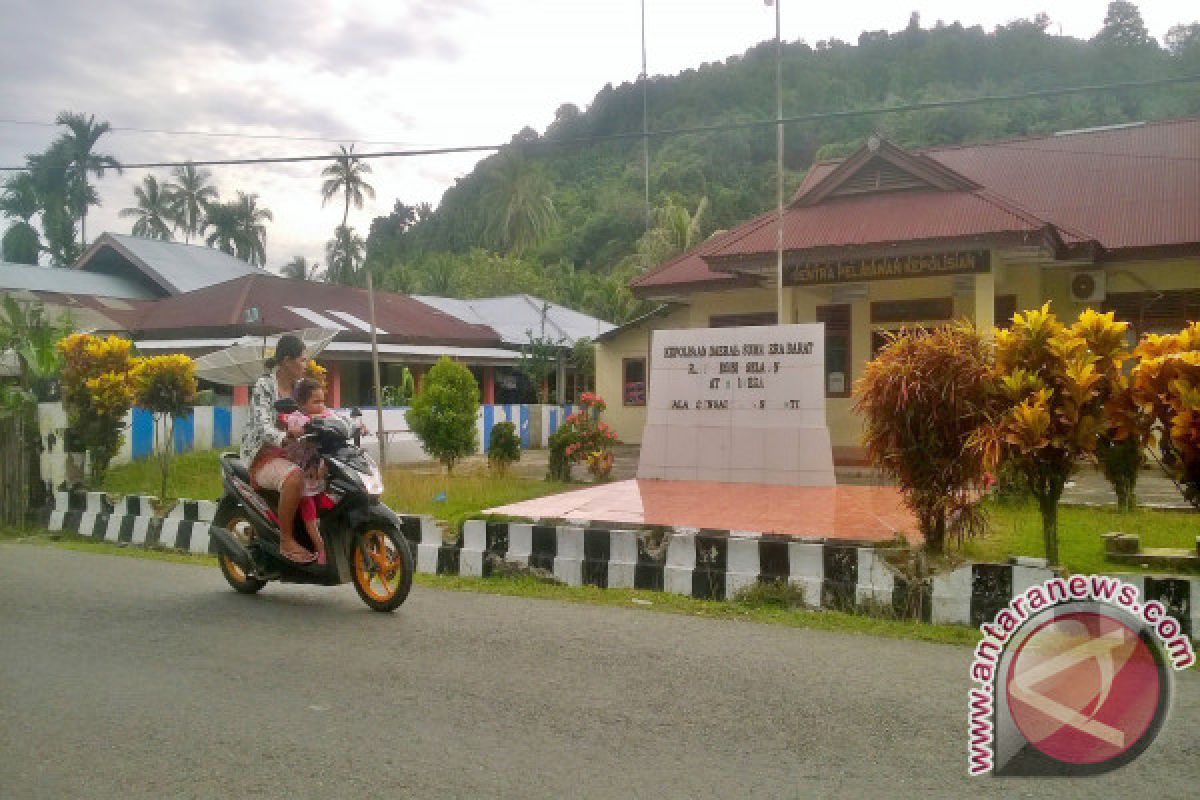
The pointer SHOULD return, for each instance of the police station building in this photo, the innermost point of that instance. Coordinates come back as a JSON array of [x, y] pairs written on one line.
[[1107, 218]]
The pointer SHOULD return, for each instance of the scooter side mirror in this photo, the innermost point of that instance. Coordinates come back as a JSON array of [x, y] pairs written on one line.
[[356, 413]]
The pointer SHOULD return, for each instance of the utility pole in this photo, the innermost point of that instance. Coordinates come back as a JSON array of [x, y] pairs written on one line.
[[375, 369]]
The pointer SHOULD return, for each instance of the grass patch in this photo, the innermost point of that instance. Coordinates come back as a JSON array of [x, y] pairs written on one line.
[[414, 491], [409, 490], [1016, 529], [195, 475], [83, 544], [768, 612]]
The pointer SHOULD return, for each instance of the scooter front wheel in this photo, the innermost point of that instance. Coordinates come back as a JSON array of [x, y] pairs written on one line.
[[383, 566], [235, 521]]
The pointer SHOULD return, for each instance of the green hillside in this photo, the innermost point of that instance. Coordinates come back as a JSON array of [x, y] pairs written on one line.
[[566, 220]]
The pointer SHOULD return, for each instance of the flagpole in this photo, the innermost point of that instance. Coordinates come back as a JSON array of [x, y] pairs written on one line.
[[645, 136], [779, 315], [375, 369]]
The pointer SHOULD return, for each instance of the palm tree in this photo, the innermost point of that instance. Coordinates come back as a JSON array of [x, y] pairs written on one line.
[[299, 269], [153, 211], [80, 139], [520, 210], [56, 196], [344, 255], [21, 243], [252, 229], [32, 334], [681, 229], [221, 223], [611, 300], [345, 176], [190, 193], [676, 230]]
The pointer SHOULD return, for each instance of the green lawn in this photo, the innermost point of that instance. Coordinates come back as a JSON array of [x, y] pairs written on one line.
[[195, 476], [408, 490], [414, 491], [1016, 529]]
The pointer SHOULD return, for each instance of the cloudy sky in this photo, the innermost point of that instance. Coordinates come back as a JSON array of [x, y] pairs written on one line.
[[388, 73]]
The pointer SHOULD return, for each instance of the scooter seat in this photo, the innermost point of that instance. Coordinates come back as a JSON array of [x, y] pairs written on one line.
[[238, 468]]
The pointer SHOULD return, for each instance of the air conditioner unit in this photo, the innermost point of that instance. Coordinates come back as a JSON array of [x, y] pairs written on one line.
[[1088, 286]]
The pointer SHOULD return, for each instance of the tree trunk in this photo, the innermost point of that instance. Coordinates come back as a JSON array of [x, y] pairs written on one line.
[[1126, 495], [346, 213], [935, 534], [82, 230], [1048, 505]]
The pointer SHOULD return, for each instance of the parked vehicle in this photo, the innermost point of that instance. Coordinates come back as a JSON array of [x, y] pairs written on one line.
[[364, 542]]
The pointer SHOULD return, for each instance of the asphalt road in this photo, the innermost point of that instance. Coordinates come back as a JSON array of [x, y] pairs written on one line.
[[129, 678]]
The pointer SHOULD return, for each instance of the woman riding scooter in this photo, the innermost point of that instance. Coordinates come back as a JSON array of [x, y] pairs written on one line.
[[262, 443]]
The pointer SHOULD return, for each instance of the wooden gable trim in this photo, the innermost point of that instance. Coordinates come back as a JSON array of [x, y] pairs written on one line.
[[924, 171]]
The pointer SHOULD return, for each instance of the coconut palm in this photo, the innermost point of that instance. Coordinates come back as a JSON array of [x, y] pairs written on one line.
[[153, 212], [299, 269], [252, 229], [344, 255], [80, 139], [222, 224], [345, 176], [520, 209], [190, 193], [676, 230], [19, 202]]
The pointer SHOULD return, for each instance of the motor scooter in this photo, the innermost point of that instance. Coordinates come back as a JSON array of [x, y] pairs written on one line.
[[364, 543]]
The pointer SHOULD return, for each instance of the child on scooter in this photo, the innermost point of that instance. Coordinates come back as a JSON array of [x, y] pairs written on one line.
[[310, 396]]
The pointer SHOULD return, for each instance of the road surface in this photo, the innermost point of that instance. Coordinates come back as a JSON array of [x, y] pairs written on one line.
[[129, 678]]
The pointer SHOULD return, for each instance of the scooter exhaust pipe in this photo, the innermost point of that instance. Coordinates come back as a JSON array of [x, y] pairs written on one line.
[[233, 548]]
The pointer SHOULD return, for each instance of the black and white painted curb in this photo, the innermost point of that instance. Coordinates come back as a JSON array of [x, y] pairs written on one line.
[[575, 555], [710, 564], [172, 532], [132, 505], [700, 563]]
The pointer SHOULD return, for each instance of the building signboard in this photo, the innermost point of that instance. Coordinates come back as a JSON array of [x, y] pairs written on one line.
[[742, 404], [886, 267]]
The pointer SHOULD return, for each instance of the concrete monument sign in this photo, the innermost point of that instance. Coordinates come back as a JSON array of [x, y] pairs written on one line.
[[739, 405]]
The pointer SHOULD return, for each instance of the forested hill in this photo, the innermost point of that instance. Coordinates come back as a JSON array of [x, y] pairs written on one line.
[[564, 220]]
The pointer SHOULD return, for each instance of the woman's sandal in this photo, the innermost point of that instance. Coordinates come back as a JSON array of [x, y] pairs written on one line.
[[307, 558]]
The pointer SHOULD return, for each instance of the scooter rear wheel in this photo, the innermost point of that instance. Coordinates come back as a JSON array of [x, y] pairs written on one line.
[[238, 525], [383, 566]]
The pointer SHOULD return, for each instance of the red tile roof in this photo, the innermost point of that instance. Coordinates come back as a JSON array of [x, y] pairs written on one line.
[[217, 310], [1124, 188]]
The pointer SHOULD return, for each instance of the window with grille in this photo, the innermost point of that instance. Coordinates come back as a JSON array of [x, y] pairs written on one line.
[[633, 382]]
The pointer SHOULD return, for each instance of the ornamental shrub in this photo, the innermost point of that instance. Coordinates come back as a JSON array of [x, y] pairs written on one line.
[[922, 398], [97, 393], [443, 414], [318, 373], [504, 446], [1055, 382], [1165, 387], [166, 387], [582, 436]]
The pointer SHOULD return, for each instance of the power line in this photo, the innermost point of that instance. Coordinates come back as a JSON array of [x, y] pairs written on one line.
[[218, 134], [698, 129]]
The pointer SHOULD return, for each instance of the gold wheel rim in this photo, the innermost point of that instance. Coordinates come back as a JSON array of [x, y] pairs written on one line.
[[239, 528], [379, 575]]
